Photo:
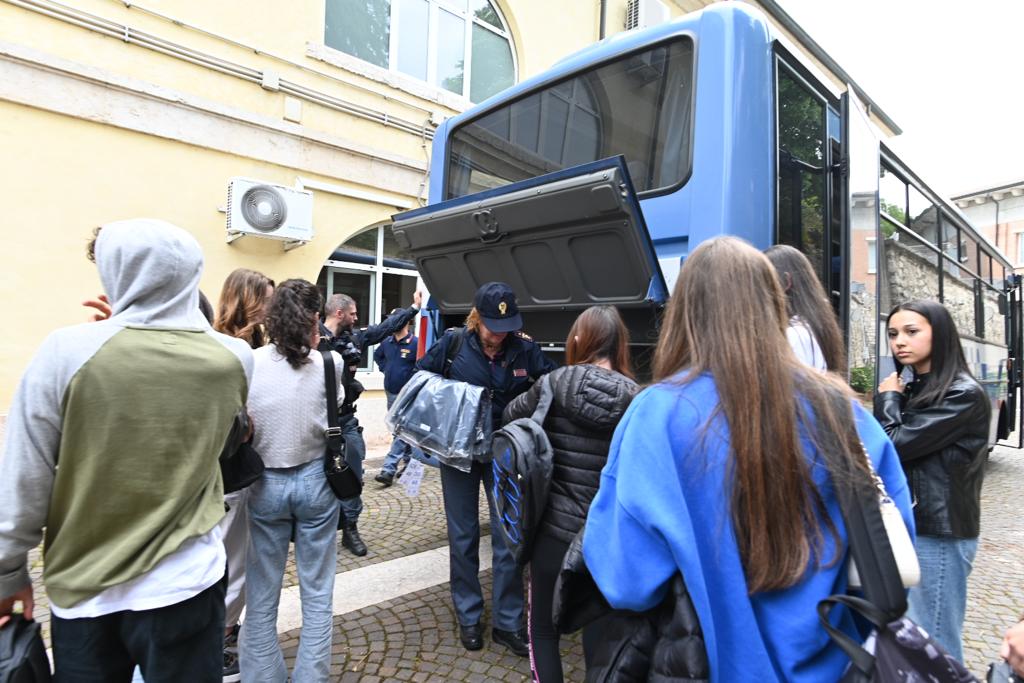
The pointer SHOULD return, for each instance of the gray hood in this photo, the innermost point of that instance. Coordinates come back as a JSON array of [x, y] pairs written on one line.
[[150, 270]]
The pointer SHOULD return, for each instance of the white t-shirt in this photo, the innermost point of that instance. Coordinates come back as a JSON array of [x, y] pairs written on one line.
[[804, 345], [188, 571]]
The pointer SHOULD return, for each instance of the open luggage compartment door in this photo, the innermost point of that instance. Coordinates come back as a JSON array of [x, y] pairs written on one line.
[[563, 241]]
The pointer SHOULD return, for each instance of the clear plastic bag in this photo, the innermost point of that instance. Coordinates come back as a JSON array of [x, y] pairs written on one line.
[[446, 418]]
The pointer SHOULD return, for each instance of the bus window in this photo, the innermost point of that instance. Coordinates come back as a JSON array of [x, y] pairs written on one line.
[[802, 139], [910, 267], [639, 105], [923, 216], [893, 193]]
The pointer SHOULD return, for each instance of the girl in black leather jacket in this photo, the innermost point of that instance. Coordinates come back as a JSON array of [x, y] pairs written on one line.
[[590, 396], [939, 424]]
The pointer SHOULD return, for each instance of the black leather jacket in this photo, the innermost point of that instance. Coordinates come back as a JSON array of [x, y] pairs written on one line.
[[943, 448], [588, 403]]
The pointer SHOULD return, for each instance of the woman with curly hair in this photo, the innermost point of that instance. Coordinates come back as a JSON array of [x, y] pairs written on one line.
[[287, 402], [242, 309], [241, 313]]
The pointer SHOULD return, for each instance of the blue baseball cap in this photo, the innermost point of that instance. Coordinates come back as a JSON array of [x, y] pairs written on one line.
[[496, 304]]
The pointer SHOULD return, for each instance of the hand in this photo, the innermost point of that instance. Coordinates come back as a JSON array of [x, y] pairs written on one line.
[[102, 306], [417, 299], [25, 597], [891, 383], [1012, 649]]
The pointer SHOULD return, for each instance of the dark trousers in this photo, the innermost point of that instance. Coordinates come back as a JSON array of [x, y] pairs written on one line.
[[180, 642], [355, 453], [545, 563]]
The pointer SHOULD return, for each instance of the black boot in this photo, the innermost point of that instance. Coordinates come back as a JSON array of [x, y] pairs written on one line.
[[351, 540]]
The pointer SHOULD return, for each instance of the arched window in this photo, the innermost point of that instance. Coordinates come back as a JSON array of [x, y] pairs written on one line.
[[463, 46], [372, 269]]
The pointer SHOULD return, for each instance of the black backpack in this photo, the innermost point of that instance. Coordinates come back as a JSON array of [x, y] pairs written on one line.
[[522, 464], [22, 652]]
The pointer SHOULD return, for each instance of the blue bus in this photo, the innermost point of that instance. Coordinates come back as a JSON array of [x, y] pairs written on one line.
[[590, 183]]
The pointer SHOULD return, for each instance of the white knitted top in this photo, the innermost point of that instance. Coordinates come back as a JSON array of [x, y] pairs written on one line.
[[289, 407]]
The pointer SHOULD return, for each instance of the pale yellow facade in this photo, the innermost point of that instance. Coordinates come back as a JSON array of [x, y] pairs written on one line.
[[111, 110]]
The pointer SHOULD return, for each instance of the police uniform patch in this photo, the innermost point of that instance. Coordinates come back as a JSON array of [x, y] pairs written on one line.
[[519, 372], [523, 335]]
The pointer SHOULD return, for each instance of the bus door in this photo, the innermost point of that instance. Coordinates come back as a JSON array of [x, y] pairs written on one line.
[[1015, 359], [860, 160], [564, 241], [811, 178]]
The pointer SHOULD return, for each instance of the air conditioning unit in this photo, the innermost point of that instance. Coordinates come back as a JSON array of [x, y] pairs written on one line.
[[645, 13], [267, 210]]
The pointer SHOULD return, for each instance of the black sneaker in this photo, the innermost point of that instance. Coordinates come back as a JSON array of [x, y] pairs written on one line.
[[231, 672], [386, 478], [513, 640]]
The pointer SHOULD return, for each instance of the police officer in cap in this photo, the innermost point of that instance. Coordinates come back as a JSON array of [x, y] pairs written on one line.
[[338, 333], [493, 353]]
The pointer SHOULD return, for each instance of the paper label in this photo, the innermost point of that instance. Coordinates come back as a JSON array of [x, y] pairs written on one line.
[[412, 478]]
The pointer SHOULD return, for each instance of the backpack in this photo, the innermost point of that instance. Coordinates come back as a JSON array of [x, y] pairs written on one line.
[[22, 652], [522, 464]]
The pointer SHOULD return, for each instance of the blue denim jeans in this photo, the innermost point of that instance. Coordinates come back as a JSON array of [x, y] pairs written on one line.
[[283, 498], [938, 603], [400, 450]]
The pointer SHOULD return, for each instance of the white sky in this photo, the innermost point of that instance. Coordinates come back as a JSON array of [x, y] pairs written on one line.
[[948, 73]]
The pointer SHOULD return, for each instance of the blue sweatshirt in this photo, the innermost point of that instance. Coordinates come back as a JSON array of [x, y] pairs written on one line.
[[397, 360], [664, 506]]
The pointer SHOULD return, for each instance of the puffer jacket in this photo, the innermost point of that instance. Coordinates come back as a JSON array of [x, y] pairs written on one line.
[[943, 448], [588, 403]]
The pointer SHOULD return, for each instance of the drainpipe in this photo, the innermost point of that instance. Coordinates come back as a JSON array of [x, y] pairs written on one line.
[[604, 12]]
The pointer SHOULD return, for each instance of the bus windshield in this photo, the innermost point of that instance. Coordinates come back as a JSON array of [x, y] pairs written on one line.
[[640, 105]]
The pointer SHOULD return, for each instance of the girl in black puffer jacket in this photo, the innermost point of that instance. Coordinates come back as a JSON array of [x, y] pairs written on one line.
[[590, 396]]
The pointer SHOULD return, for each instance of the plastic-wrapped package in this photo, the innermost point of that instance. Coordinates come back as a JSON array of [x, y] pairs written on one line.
[[444, 417]]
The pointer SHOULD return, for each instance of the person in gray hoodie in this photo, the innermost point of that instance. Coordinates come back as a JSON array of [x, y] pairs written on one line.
[[136, 410]]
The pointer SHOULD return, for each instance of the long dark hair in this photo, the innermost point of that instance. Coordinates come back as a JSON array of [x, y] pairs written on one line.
[[725, 289], [947, 359], [806, 298], [597, 334], [293, 312]]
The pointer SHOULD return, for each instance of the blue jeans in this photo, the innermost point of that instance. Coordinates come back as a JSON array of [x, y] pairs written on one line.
[[355, 453], [283, 498], [462, 512], [938, 603], [400, 450]]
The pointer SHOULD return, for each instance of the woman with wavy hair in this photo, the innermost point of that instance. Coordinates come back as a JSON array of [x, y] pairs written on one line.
[[288, 404], [720, 471], [242, 309], [241, 313]]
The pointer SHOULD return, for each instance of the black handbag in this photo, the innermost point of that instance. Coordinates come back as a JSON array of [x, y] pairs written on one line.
[[898, 649], [240, 464], [22, 652], [342, 479]]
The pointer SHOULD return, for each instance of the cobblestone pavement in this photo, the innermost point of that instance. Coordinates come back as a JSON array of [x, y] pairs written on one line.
[[394, 525], [415, 638], [995, 590]]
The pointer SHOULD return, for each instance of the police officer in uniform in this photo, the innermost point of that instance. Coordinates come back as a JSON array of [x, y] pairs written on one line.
[[337, 333], [493, 353]]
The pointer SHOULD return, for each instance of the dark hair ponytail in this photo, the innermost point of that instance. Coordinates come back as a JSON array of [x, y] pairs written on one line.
[[947, 359], [293, 311]]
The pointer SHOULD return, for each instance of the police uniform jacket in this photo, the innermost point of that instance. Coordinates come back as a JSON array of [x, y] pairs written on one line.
[[397, 360], [507, 375]]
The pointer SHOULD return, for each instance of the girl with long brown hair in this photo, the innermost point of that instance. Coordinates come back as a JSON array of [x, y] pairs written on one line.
[[590, 395], [241, 313], [715, 472], [242, 309]]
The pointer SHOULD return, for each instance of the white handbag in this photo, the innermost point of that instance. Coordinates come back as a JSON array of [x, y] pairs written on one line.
[[896, 530]]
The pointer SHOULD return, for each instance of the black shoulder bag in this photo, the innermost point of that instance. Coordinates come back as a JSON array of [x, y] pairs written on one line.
[[240, 464], [342, 479]]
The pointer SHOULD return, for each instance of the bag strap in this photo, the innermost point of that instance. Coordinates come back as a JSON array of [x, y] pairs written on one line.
[[333, 431], [869, 542], [547, 394], [860, 658], [454, 346]]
